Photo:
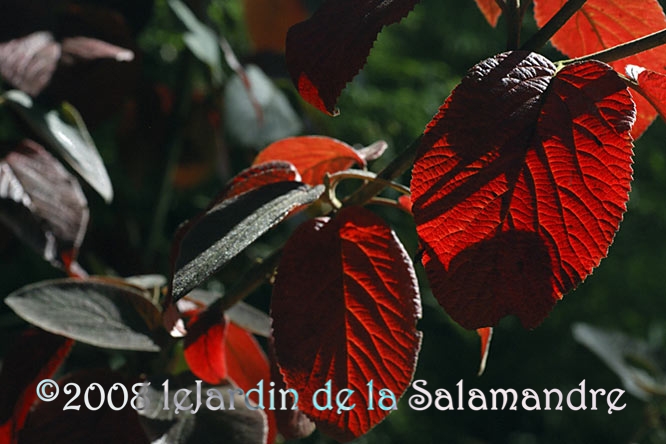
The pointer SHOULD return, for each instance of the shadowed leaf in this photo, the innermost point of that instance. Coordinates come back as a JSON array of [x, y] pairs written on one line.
[[95, 312], [520, 184], [602, 24], [259, 175], [51, 423], [348, 283], [328, 50], [42, 203], [35, 355]]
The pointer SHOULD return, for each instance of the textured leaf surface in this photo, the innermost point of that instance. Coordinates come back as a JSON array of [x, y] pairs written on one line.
[[520, 185], [35, 355], [95, 312], [327, 50], [42, 203], [313, 156], [601, 24], [651, 85], [72, 143], [216, 236], [491, 11], [344, 308]]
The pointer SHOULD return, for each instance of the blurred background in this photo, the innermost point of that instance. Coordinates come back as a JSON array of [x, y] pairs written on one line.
[[175, 124]]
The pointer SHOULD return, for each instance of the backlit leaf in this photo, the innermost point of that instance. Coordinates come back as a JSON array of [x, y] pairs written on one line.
[[602, 24], [33, 356], [72, 143], [42, 203], [259, 175], [491, 11], [651, 85], [95, 312], [328, 50], [205, 346], [313, 156], [344, 308], [209, 241], [520, 184]]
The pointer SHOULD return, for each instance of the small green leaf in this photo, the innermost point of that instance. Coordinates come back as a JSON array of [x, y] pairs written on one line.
[[92, 311], [71, 142], [200, 39], [227, 228]]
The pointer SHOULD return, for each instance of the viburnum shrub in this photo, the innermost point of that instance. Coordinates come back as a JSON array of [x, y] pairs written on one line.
[[518, 186]]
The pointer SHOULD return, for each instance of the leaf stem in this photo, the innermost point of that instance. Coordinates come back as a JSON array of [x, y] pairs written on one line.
[[554, 24], [392, 171], [513, 21], [618, 52]]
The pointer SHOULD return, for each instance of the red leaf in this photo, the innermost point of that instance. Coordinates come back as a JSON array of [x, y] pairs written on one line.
[[491, 11], [651, 85], [257, 176], [486, 334], [205, 346], [292, 424], [601, 24], [520, 185], [313, 156], [34, 356], [344, 308], [217, 350], [328, 50]]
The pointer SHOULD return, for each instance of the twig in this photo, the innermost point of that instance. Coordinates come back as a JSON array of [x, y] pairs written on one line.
[[554, 24], [618, 52], [513, 22], [392, 171]]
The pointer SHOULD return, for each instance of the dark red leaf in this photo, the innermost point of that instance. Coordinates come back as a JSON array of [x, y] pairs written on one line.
[[313, 156], [292, 424], [344, 308], [259, 175], [491, 11], [328, 50], [651, 85], [520, 185], [35, 355], [486, 334], [50, 423], [602, 24], [42, 203]]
